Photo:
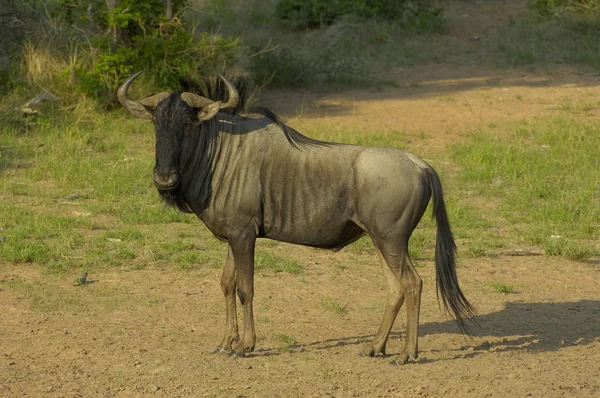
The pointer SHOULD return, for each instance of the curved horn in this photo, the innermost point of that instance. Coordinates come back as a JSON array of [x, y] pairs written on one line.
[[195, 101], [152, 101], [134, 107], [234, 96], [139, 108]]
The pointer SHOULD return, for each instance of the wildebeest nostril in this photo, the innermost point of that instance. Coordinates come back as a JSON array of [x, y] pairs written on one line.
[[165, 181]]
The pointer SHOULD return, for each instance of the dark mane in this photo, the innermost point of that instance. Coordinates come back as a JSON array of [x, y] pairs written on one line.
[[214, 89]]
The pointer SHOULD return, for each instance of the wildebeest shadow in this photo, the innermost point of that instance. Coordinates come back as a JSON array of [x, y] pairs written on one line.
[[537, 327]]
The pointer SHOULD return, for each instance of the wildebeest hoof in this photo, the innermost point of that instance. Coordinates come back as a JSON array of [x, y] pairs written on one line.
[[220, 350], [403, 358], [238, 354], [240, 351], [369, 351]]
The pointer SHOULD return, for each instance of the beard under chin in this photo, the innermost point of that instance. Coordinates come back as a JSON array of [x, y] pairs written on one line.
[[174, 198], [170, 197]]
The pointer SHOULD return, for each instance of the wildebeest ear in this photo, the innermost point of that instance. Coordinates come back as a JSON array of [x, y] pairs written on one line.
[[209, 111], [149, 110]]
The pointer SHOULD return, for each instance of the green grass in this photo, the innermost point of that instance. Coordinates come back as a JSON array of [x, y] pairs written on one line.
[[286, 342], [270, 262], [77, 192], [545, 178], [500, 287], [362, 246], [31, 235], [331, 305], [422, 242], [194, 259], [571, 249]]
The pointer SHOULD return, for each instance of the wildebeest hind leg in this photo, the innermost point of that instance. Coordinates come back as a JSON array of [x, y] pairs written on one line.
[[395, 298], [228, 286], [412, 286]]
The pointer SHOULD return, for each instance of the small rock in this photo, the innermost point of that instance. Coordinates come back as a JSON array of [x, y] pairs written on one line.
[[82, 213], [74, 196]]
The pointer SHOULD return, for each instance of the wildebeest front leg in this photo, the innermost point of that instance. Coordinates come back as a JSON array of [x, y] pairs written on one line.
[[243, 254], [228, 286]]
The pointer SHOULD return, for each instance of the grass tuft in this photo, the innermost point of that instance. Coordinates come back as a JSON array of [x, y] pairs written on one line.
[[287, 342], [500, 287], [331, 305], [273, 263]]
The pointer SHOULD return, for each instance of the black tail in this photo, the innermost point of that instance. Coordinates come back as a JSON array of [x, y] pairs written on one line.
[[453, 298]]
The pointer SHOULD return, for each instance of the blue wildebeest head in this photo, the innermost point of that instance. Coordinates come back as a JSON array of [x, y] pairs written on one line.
[[174, 115]]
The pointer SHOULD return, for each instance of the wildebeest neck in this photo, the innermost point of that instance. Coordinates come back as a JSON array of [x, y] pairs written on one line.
[[215, 147], [198, 149]]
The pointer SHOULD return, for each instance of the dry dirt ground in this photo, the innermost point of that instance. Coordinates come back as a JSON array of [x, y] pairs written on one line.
[[152, 332]]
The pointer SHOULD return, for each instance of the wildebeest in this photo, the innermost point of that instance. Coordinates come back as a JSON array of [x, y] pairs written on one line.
[[249, 177]]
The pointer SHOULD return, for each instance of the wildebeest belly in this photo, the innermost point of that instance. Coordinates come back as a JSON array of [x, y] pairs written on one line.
[[313, 214], [326, 236], [307, 196]]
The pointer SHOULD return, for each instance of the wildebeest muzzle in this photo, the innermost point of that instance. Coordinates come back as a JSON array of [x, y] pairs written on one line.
[[166, 181]]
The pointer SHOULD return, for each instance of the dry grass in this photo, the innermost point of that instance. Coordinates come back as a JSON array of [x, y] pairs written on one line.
[[41, 64]]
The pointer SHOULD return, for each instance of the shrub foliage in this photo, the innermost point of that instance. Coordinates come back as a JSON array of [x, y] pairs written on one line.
[[549, 8], [82, 49], [132, 35]]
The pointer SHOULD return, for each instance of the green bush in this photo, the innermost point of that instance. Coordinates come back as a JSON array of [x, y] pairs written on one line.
[[164, 54], [303, 14], [330, 58], [137, 35], [549, 8]]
